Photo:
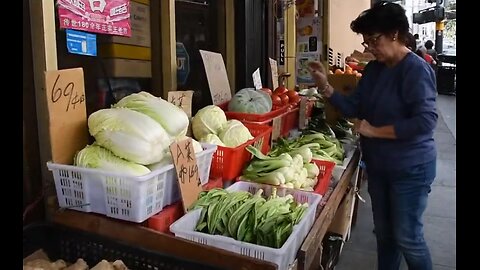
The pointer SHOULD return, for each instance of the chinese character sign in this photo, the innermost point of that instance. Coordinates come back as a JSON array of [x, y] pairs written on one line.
[[99, 16]]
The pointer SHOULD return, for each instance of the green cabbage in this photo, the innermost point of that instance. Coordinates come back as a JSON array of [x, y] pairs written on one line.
[[95, 156], [208, 120], [129, 134], [212, 139], [234, 133], [173, 119]]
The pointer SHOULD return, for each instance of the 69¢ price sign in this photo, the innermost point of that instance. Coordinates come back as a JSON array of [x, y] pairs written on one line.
[[65, 95], [64, 92]]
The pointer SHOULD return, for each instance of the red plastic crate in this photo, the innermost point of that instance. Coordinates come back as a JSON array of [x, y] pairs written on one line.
[[290, 121], [250, 117], [161, 222], [228, 162], [326, 169], [213, 183]]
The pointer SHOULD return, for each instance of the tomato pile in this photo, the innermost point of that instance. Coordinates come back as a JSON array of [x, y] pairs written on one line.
[[282, 97]]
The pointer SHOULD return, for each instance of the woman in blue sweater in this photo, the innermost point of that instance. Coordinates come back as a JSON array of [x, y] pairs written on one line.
[[394, 104]]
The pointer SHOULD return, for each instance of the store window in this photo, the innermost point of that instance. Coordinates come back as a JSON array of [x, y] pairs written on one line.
[[196, 29]]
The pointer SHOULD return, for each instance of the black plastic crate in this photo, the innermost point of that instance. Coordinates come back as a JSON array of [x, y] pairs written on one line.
[[60, 242]]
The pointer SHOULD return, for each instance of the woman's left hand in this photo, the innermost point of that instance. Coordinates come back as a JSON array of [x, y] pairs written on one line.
[[364, 128]]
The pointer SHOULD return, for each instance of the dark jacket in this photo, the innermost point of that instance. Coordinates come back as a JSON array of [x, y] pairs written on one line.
[[402, 96]]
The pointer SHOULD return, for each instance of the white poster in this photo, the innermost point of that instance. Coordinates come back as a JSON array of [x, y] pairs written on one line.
[[308, 47], [303, 75]]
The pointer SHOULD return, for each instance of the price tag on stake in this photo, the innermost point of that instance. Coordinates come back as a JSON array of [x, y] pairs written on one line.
[[65, 94], [276, 127], [186, 167], [274, 70], [302, 114], [257, 79]]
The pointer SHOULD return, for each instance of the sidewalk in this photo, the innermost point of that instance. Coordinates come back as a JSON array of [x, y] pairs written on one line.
[[359, 253]]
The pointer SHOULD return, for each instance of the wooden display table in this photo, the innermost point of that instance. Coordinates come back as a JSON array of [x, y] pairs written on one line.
[[308, 257]]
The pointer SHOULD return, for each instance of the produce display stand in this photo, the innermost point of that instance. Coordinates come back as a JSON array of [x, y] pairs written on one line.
[[308, 256]]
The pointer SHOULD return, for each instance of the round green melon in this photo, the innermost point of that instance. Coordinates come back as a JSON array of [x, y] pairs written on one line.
[[249, 100]]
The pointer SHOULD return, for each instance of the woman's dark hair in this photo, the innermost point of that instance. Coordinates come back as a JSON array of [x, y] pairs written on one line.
[[429, 44], [410, 42], [383, 17]]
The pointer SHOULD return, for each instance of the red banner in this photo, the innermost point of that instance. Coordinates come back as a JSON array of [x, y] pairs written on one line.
[[110, 17]]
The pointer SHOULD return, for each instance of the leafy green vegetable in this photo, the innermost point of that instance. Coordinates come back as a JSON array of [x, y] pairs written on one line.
[[173, 119], [95, 156], [129, 134]]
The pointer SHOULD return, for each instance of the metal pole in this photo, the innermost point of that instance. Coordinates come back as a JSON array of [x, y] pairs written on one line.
[[439, 27]]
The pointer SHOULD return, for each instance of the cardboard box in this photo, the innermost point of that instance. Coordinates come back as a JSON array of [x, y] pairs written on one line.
[[343, 83], [128, 68], [362, 57], [140, 24], [115, 50]]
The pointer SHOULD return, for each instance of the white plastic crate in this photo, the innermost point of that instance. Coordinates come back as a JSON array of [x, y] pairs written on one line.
[[131, 198], [339, 169], [283, 257]]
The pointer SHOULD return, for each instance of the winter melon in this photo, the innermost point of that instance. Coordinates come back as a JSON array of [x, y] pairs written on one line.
[[249, 100]]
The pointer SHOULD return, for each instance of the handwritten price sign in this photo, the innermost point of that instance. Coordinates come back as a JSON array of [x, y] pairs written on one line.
[[186, 166], [217, 77], [182, 99], [274, 70], [65, 93]]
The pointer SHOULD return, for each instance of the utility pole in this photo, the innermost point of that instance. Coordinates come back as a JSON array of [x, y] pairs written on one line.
[[439, 27]]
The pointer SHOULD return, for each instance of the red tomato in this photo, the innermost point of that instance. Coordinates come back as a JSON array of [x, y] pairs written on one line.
[[295, 99], [267, 90], [292, 95], [280, 90], [285, 99], [276, 100]]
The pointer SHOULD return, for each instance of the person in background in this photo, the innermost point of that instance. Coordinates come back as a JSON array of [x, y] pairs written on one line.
[[422, 52], [431, 51], [418, 42], [395, 107]]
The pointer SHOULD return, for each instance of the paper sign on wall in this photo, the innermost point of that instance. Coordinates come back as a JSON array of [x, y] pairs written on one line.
[[65, 90], [186, 167], [274, 70], [182, 99], [257, 79], [216, 76]]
